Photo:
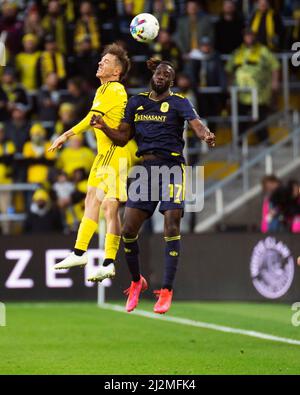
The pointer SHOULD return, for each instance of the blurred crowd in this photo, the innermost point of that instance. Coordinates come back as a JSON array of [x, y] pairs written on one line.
[[281, 205], [47, 86]]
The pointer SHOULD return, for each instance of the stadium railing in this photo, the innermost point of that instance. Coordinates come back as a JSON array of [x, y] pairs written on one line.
[[16, 187], [238, 188]]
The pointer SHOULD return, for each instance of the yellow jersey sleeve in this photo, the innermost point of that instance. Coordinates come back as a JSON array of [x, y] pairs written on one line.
[[83, 125], [111, 97], [107, 97]]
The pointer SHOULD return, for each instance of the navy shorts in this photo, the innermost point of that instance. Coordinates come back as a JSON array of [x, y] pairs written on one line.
[[158, 182]]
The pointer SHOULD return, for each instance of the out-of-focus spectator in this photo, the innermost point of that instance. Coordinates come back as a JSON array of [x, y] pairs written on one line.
[[229, 29], [51, 61], [3, 104], [75, 213], [17, 128], [254, 66], [68, 9], [79, 96], [267, 25], [163, 11], [192, 27], [208, 71], [296, 17], [9, 23], [270, 221], [166, 49], [48, 99], [33, 24], [54, 24], [75, 156], [67, 119], [184, 86], [11, 92], [39, 159], [63, 189], [87, 24], [7, 150], [86, 61], [72, 201], [26, 62], [136, 6], [42, 216], [293, 209], [285, 201]]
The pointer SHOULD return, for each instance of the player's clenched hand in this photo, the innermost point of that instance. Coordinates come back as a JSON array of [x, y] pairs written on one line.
[[97, 121], [58, 143], [210, 138]]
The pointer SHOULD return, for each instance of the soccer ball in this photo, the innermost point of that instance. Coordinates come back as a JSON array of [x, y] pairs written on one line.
[[144, 27]]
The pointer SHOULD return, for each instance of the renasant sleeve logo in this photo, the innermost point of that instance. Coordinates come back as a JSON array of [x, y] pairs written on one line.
[[2, 49], [2, 314]]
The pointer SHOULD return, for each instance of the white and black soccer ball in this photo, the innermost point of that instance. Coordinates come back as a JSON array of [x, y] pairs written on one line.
[[144, 27]]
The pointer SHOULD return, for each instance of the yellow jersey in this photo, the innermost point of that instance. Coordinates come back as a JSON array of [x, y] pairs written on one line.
[[109, 102], [71, 159], [26, 64], [6, 148], [38, 173]]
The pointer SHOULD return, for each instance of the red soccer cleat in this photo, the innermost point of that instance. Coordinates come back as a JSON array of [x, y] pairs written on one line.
[[164, 301], [133, 293]]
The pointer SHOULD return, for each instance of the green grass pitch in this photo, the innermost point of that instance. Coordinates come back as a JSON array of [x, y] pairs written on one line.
[[80, 338]]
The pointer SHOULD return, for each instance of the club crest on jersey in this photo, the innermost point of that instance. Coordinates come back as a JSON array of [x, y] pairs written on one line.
[[164, 107]]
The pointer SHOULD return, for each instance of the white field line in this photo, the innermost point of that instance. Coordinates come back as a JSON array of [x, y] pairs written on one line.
[[200, 324]]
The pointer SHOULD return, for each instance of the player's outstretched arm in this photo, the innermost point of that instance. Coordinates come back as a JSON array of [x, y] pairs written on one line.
[[81, 127], [119, 136], [202, 132], [59, 142]]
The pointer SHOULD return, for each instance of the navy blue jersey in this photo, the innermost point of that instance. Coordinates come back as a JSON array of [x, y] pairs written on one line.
[[159, 125]]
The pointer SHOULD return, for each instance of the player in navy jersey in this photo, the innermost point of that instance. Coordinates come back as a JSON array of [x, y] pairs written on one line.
[[155, 120]]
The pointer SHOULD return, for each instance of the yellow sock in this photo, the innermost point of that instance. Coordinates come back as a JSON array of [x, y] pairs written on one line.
[[112, 243], [85, 232]]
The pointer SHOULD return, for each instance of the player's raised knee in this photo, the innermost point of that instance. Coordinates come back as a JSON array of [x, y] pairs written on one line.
[[110, 208], [91, 198]]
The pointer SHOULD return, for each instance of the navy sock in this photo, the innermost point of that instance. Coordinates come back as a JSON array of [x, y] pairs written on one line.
[[172, 252], [131, 249]]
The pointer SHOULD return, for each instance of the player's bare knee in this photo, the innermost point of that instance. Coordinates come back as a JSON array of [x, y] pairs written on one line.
[[110, 209], [91, 199]]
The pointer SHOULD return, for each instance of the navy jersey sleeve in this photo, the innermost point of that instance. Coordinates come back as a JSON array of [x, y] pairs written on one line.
[[130, 111], [187, 110]]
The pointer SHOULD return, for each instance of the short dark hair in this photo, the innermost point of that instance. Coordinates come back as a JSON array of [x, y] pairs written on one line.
[[121, 54], [153, 63], [270, 178]]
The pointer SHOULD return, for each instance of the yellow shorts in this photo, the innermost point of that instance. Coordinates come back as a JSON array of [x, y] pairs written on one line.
[[110, 170]]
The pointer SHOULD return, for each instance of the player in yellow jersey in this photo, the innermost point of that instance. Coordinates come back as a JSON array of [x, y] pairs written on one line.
[[108, 176]]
